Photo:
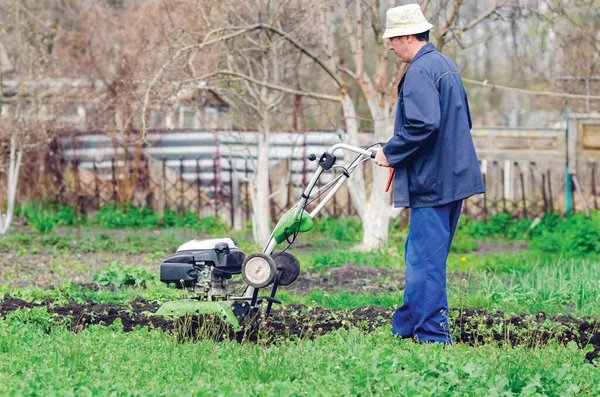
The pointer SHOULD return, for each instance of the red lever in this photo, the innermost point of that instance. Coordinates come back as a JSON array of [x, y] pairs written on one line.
[[390, 179]]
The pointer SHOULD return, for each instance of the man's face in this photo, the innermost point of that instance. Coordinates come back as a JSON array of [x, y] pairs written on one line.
[[399, 45]]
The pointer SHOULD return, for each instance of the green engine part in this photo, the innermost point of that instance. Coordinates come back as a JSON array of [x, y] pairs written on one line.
[[191, 306], [288, 225]]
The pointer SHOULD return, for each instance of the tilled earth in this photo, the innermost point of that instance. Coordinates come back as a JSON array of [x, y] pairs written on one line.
[[347, 278], [471, 326]]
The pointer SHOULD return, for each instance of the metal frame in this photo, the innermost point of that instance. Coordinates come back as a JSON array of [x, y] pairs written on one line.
[[364, 154]]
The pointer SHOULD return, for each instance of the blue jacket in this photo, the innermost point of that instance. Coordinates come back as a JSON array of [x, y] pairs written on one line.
[[432, 149]]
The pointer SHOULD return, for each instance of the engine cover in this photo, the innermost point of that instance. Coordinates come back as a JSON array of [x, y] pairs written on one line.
[[183, 275], [194, 257]]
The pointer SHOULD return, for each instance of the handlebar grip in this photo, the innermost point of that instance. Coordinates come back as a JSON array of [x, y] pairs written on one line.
[[390, 179]]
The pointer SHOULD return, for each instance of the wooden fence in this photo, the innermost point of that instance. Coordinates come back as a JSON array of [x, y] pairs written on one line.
[[206, 172]]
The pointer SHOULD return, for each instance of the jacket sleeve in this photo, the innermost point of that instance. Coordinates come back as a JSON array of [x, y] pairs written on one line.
[[422, 109]]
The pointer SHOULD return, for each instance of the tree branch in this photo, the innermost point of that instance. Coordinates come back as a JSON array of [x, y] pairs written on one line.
[[530, 92], [276, 87], [239, 31], [354, 41], [306, 52], [453, 14]]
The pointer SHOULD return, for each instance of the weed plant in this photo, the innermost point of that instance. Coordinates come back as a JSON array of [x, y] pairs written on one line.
[[385, 257], [91, 242], [44, 217], [343, 300], [114, 217], [120, 276], [40, 219], [154, 292], [569, 287], [344, 230]]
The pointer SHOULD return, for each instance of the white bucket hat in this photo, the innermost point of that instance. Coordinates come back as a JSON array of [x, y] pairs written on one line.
[[405, 20]]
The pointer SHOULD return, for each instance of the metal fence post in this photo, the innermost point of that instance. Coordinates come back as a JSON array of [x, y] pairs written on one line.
[[594, 192], [247, 192], [550, 198], [198, 187], [522, 179], [77, 185], [216, 187], [544, 193], [96, 187], [162, 192], [181, 192], [485, 211], [231, 201], [304, 158], [503, 191], [114, 181]]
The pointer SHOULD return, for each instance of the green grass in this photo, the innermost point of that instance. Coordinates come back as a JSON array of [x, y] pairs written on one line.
[[38, 356], [90, 240], [104, 361], [342, 300], [570, 287], [61, 294], [389, 257]]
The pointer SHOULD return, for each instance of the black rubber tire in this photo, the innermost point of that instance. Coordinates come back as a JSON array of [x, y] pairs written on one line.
[[288, 267], [272, 269]]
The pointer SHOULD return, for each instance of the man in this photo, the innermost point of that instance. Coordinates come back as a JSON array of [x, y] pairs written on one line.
[[436, 167]]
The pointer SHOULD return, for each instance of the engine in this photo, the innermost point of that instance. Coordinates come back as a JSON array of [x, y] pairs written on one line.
[[203, 267]]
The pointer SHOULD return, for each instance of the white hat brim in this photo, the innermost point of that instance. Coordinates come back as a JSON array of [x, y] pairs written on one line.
[[405, 30]]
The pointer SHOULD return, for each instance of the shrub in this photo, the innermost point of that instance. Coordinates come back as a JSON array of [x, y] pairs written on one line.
[[170, 218], [572, 236], [40, 219], [463, 245], [347, 229], [188, 220], [113, 217], [211, 225], [496, 226], [67, 216]]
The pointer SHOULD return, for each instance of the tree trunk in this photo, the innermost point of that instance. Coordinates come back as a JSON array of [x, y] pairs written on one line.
[[373, 207], [376, 222], [259, 186], [14, 166]]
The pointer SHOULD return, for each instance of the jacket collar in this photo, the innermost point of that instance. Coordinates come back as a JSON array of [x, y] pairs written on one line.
[[427, 48]]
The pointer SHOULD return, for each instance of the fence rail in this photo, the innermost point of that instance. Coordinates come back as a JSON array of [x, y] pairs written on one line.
[[522, 190]]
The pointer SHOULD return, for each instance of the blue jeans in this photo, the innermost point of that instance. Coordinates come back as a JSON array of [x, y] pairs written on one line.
[[424, 313]]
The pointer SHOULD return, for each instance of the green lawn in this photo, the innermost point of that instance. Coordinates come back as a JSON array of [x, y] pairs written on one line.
[[41, 357], [103, 361]]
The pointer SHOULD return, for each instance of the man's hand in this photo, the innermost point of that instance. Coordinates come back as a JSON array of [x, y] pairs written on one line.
[[381, 160]]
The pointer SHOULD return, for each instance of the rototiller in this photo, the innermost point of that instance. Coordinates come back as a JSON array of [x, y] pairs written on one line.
[[203, 267]]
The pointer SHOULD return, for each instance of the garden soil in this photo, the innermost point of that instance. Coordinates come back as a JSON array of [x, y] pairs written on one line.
[[471, 326]]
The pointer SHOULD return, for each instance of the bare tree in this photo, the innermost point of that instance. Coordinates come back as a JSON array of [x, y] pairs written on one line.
[[259, 57], [361, 32], [28, 106], [343, 42], [121, 46], [254, 66]]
